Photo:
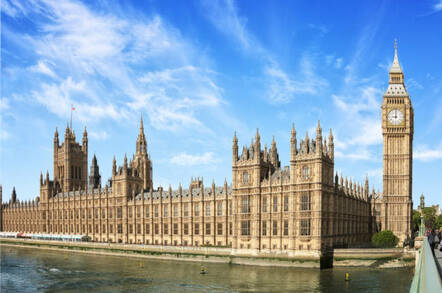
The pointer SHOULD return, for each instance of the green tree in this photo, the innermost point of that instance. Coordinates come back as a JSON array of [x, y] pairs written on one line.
[[438, 222], [384, 239], [416, 220], [429, 217]]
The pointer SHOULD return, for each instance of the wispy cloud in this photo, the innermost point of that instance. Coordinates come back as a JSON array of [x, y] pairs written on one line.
[[98, 135], [282, 87], [97, 57], [426, 154], [184, 159], [43, 68], [438, 6]]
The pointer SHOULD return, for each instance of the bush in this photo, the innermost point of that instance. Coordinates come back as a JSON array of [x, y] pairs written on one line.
[[384, 239]]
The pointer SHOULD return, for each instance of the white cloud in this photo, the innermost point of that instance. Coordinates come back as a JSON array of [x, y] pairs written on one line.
[[224, 16], [438, 6], [4, 104], [100, 135], [338, 62], [103, 52], [12, 8], [424, 153], [43, 68], [282, 88], [184, 159]]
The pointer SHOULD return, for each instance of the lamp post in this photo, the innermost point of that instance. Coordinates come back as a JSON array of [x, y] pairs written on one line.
[[422, 227]]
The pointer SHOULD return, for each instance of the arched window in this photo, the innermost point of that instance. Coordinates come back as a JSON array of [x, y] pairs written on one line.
[[245, 177]]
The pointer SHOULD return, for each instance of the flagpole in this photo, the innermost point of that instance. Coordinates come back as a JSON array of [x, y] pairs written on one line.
[[71, 115]]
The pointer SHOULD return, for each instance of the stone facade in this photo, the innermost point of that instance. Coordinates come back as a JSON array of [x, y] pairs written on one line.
[[268, 208]]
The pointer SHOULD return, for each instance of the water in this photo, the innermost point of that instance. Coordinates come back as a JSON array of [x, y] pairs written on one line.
[[36, 270]]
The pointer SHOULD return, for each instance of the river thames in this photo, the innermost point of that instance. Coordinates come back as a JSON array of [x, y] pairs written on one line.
[[37, 270]]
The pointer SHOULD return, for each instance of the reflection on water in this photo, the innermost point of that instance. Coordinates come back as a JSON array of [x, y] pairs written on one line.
[[35, 270]]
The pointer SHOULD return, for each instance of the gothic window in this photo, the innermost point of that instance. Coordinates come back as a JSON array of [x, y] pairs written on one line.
[[208, 226], [157, 229], [275, 204], [197, 210], [305, 227], [166, 211], [208, 209], [120, 228], [156, 211], [264, 204], [119, 212], [264, 228], [175, 229], [147, 211], [245, 177], [305, 172], [245, 228], [220, 229], [305, 202], [186, 210], [275, 228], [197, 229], [230, 228], [96, 214], [245, 205], [186, 229], [104, 228], [175, 210], [111, 228], [166, 229], [230, 208], [286, 227], [103, 213], [219, 209], [138, 212], [147, 228], [286, 203], [110, 213]]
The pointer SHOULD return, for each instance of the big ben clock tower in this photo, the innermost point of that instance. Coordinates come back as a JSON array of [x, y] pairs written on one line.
[[397, 131]]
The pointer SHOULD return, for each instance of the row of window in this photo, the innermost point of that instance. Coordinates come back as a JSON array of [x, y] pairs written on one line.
[[245, 228], [304, 228], [305, 204]]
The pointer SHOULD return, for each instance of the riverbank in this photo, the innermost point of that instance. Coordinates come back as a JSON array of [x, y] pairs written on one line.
[[373, 258]]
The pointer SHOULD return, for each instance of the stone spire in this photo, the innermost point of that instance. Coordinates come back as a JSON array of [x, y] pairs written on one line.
[[14, 195], [234, 149], [141, 140], [319, 138], [94, 177], [293, 143], [395, 67]]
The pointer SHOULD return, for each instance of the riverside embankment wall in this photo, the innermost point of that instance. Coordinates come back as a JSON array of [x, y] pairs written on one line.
[[380, 258]]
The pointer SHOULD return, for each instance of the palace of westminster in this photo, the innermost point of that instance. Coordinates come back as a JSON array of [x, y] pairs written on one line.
[[266, 208]]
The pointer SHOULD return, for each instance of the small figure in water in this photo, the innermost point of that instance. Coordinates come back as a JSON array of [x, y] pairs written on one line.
[[203, 270], [347, 277]]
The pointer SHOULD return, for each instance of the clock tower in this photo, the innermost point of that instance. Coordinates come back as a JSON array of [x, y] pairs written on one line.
[[397, 131]]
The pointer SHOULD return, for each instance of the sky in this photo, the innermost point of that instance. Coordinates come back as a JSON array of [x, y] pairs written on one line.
[[199, 70]]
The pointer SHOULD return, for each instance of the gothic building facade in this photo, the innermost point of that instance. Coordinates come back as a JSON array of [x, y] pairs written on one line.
[[305, 206]]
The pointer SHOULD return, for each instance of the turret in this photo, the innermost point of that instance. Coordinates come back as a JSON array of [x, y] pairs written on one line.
[[114, 167], [234, 149], [331, 145], [293, 142], [257, 146], [13, 195], [125, 164], [94, 177], [141, 147], [319, 139], [85, 140]]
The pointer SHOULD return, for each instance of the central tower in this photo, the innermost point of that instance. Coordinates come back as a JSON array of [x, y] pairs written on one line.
[[397, 131]]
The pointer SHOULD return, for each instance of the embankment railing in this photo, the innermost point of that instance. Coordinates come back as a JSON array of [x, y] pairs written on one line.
[[426, 276]]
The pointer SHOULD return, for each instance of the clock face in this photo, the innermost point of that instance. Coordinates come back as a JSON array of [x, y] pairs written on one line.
[[395, 117]]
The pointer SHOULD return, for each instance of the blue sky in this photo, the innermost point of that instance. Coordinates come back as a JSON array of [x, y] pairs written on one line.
[[199, 70]]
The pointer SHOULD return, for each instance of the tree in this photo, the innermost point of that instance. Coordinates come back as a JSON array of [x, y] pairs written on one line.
[[429, 217], [416, 220], [438, 222], [384, 239]]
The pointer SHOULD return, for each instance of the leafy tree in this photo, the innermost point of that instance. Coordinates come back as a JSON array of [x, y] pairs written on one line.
[[384, 239], [438, 222], [429, 217], [416, 220]]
